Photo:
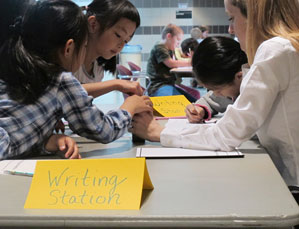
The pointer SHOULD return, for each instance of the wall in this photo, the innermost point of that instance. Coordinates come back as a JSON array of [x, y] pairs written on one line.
[[155, 14]]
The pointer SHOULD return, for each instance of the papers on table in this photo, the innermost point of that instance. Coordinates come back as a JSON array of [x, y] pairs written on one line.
[[183, 153]]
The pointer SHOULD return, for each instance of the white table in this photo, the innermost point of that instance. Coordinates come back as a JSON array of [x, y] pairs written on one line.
[[203, 193]]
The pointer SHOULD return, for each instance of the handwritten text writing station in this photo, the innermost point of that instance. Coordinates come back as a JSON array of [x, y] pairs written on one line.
[[91, 184]]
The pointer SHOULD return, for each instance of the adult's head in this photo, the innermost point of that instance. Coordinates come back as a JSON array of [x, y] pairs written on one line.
[[217, 65], [112, 24], [237, 12], [270, 18], [195, 33], [47, 41]]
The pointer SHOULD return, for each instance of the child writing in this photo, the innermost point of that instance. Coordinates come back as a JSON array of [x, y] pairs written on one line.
[[218, 66], [111, 24], [187, 49], [9, 11], [37, 88], [160, 62], [268, 100]]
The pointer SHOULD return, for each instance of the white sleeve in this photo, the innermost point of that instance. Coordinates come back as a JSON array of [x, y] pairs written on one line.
[[241, 120]]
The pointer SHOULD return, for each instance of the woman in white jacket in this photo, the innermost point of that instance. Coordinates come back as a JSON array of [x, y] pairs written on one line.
[[268, 101]]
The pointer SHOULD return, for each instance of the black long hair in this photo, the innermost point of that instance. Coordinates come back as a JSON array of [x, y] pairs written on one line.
[[217, 59], [9, 11], [29, 56], [108, 13]]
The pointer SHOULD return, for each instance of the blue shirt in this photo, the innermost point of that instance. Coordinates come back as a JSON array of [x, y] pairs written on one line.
[[26, 128]]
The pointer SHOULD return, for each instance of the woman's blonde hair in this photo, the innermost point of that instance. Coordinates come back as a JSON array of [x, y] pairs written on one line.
[[271, 18], [241, 4]]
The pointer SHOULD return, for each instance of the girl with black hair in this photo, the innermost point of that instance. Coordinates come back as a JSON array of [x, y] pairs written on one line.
[[11, 12], [37, 87], [217, 64], [111, 25]]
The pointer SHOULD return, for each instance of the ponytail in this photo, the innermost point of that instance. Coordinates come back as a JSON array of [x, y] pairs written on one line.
[[26, 75], [29, 57]]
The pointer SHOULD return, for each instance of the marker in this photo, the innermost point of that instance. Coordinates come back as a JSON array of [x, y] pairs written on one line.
[[18, 173]]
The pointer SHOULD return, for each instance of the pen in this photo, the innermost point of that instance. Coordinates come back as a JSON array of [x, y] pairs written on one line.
[[18, 173]]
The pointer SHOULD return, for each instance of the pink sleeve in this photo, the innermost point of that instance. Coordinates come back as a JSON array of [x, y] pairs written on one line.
[[208, 114]]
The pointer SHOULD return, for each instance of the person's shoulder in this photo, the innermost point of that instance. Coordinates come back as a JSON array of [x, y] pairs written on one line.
[[160, 46], [67, 78], [276, 43], [276, 47]]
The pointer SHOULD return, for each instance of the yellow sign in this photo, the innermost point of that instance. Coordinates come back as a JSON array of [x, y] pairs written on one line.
[[170, 106], [89, 184]]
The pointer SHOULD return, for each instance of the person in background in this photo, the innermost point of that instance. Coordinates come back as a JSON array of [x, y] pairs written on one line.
[[268, 100], [37, 87], [187, 49], [195, 33], [111, 25], [204, 33], [162, 60], [217, 64], [11, 12]]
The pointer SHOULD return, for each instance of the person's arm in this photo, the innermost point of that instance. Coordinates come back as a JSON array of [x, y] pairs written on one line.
[[162, 55], [86, 120], [101, 88], [179, 55], [177, 63], [214, 104], [259, 90]]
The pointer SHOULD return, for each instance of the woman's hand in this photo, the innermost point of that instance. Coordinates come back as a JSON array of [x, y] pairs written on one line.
[[145, 126], [195, 114]]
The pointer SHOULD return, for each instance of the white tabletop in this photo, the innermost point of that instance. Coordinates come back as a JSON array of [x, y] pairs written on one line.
[[203, 193]]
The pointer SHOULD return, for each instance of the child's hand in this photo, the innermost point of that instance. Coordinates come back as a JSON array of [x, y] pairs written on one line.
[[145, 126], [195, 114], [130, 87], [65, 144], [137, 104]]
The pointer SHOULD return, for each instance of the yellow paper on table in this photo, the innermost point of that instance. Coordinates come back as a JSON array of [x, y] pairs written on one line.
[[89, 184], [170, 106]]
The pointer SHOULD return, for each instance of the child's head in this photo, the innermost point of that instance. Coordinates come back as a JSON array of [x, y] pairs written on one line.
[[9, 11], [204, 31], [217, 65], [112, 24], [49, 25], [172, 35], [47, 41], [188, 46]]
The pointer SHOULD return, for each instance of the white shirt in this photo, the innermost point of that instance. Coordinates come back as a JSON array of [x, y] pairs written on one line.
[[96, 76], [268, 105]]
